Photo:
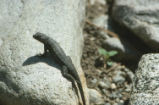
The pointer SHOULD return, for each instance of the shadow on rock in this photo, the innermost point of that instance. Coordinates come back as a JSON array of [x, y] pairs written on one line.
[[48, 59]]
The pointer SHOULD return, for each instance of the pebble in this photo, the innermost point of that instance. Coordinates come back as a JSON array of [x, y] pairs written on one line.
[[115, 95], [92, 2], [105, 84], [103, 2], [105, 91], [101, 21], [128, 88], [115, 104], [113, 86], [94, 81], [129, 73], [107, 104], [121, 102], [95, 97], [118, 77]]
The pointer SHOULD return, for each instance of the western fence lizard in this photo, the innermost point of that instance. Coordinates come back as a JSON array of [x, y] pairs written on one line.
[[68, 69]]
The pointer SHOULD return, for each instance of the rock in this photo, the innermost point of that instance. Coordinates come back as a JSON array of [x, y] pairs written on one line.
[[94, 81], [101, 21], [115, 95], [113, 86], [128, 88], [95, 97], [26, 79], [146, 83], [141, 17], [125, 51], [9, 15], [92, 2], [130, 74], [106, 91], [121, 102], [107, 104], [102, 2], [119, 77], [115, 104], [1, 42], [105, 84]]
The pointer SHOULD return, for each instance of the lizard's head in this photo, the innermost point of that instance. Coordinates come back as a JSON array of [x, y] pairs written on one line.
[[40, 37]]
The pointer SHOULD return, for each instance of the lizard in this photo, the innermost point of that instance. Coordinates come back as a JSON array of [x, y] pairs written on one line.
[[68, 68]]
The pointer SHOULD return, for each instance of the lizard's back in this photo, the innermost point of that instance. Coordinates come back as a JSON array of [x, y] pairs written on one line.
[[59, 54], [62, 57]]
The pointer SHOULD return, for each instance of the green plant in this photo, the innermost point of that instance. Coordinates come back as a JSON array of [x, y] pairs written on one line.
[[107, 55]]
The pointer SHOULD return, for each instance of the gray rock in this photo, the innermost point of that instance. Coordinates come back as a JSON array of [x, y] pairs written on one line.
[[113, 86], [94, 81], [107, 104], [128, 88], [121, 102], [101, 21], [1, 42], [146, 82], [115, 104], [129, 73], [95, 97], [9, 15], [125, 50], [92, 2], [105, 84], [115, 95], [106, 91], [141, 17], [119, 77], [102, 2], [118, 104], [29, 80]]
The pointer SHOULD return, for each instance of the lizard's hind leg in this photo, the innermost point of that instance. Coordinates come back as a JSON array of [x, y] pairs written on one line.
[[70, 78]]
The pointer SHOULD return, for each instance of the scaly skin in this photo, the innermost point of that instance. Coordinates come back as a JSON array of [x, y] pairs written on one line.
[[69, 70]]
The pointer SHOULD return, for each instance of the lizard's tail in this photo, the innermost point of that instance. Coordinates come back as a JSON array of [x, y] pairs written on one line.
[[82, 93]]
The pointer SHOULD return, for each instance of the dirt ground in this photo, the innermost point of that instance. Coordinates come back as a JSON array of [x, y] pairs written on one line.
[[95, 68]]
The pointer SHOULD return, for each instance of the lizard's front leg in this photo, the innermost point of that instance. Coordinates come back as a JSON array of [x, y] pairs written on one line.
[[44, 54], [46, 50]]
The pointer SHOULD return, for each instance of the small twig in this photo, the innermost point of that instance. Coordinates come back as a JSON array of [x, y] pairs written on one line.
[[112, 34]]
